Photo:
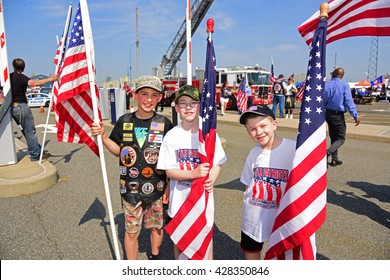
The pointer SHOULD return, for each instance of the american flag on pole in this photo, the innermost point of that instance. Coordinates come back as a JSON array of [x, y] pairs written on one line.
[[177, 85], [242, 98], [378, 81], [272, 77], [191, 229], [302, 208], [58, 53], [300, 92], [348, 18], [72, 97]]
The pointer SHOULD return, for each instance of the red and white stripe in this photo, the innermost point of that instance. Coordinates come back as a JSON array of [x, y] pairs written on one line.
[[73, 101], [307, 188], [242, 101], [300, 92], [348, 18], [5, 82], [58, 53]]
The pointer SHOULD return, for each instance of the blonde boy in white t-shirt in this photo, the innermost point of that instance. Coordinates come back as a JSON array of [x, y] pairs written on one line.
[[265, 175]]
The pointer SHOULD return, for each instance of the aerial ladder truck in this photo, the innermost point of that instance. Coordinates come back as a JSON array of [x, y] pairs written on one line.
[[178, 45]]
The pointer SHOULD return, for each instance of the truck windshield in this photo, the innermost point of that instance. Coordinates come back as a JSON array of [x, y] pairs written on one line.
[[258, 79]]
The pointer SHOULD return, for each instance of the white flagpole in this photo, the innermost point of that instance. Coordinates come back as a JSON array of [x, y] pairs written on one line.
[[4, 77], [90, 53], [64, 36], [189, 43]]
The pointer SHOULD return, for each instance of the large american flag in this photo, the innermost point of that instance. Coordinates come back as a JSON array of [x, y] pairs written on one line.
[[242, 98], [72, 96], [191, 229], [302, 208], [348, 18]]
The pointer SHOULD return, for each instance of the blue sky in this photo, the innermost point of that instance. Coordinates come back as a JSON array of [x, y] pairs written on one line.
[[246, 33]]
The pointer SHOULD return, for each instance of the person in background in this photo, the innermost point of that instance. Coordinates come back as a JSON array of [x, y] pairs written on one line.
[[265, 175], [248, 91], [136, 139], [224, 98], [163, 97], [290, 98], [279, 89], [338, 100], [129, 94], [21, 113]]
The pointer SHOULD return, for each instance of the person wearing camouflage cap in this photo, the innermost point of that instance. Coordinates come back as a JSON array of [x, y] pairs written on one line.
[[148, 82], [187, 90], [136, 139], [179, 155]]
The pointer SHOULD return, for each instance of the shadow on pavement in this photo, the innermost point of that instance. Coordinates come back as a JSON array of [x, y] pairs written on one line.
[[358, 205], [232, 185]]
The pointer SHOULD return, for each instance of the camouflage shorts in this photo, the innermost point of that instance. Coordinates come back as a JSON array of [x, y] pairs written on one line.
[[151, 214]]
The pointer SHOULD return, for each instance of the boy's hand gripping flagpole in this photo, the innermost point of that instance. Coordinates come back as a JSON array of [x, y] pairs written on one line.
[[60, 56], [90, 58]]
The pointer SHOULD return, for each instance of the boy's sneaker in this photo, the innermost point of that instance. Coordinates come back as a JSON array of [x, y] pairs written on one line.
[[291, 116], [44, 156], [153, 257]]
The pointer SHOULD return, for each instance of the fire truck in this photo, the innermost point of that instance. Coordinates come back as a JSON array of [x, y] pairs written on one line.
[[172, 85], [257, 78]]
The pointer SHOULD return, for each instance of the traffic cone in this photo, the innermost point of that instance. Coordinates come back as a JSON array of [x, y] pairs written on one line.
[[41, 110]]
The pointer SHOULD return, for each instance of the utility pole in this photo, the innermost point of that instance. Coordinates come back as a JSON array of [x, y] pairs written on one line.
[[373, 60], [130, 64], [137, 40]]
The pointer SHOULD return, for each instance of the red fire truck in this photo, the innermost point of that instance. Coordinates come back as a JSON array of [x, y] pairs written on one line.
[[258, 78], [171, 88]]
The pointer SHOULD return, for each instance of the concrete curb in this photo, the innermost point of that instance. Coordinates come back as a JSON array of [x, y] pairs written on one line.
[[26, 177]]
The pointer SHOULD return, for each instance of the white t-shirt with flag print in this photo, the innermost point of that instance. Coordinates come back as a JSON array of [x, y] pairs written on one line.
[[179, 150], [265, 173]]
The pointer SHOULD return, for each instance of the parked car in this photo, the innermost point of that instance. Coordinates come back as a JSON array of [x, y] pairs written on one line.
[[35, 99]]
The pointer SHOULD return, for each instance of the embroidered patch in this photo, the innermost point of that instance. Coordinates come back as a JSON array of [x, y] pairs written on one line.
[[128, 137], [128, 156], [122, 170], [147, 188], [155, 138], [147, 172], [133, 186], [160, 186], [133, 172], [157, 126], [127, 126], [122, 186], [151, 154]]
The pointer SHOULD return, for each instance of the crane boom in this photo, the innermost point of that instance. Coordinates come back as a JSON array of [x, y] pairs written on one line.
[[178, 45]]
